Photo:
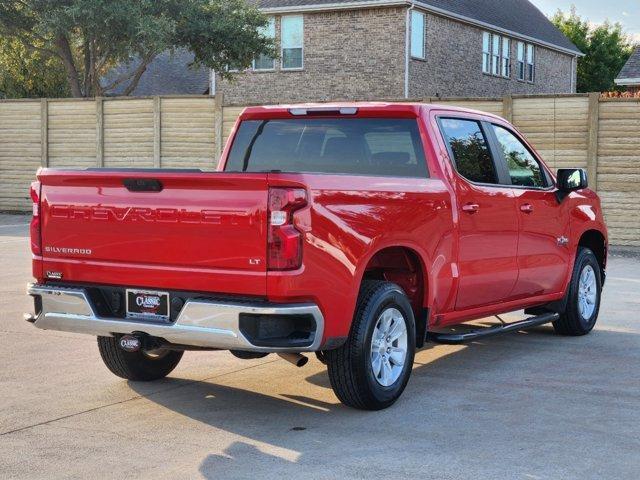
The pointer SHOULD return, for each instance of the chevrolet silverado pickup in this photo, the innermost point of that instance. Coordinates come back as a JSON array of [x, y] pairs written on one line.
[[357, 231]]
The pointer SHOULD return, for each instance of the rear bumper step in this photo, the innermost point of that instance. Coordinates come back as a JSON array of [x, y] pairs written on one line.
[[457, 338], [201, 323]]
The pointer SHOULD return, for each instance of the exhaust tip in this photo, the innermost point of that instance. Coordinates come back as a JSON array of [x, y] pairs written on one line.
[[294, 358]]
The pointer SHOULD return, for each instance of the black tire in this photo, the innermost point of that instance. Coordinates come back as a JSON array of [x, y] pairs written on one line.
[[350, 366], [136, 365], [572, 322]]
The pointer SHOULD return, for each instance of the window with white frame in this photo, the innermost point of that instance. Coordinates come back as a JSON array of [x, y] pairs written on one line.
[[292, 33], [486, 52], [418, 33], [266, 62], [495, 54], [521, 61], [506, 57], [531, 63]]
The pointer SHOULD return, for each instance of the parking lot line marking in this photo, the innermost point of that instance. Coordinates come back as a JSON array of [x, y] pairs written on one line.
[[15, 225]]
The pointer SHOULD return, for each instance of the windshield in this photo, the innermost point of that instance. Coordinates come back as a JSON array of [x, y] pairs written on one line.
[[361, 146]]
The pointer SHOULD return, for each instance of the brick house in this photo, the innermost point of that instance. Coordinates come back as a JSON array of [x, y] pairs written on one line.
[[368, 49], [629, 76]]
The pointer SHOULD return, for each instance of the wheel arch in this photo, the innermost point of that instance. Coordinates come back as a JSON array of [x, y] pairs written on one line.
[[405, 265], [595, 241]]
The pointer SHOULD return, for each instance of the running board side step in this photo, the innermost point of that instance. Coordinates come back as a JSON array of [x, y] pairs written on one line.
[[457, 338]]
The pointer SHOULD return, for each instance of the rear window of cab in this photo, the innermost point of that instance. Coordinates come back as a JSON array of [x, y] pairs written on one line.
[[356, 146]]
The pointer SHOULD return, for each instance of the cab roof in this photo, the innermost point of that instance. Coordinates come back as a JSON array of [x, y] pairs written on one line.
[[351, 109]]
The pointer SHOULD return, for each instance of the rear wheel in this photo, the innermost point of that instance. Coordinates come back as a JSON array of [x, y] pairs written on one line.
[[144, 365], [583, 302], [371, 370]]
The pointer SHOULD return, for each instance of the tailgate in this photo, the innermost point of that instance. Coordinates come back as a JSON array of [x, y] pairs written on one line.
[[162, 229]]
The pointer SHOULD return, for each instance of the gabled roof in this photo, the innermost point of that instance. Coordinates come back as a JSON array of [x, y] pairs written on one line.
[[168, 74], [630, 73], [519, 18]]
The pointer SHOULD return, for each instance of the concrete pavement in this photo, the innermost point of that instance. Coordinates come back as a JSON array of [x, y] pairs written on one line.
[[523, 406]]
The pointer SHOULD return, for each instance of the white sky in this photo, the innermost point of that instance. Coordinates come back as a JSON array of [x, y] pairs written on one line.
[[627, 12]]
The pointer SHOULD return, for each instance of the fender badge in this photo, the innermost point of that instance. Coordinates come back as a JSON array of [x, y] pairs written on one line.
[[54, 275]]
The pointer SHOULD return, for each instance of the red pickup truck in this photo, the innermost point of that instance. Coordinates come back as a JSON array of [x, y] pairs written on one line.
[[357, 231]]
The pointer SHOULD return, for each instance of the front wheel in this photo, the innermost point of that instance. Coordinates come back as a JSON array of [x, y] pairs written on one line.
[[371, 370], [145, 365], [583, 301]]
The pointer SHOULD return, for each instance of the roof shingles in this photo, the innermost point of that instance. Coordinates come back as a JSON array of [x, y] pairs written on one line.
[[631, 70], [169, 73], [518, 16]]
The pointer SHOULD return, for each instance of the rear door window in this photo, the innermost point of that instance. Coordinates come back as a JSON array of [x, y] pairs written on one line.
[[470, 149], [357, 146]]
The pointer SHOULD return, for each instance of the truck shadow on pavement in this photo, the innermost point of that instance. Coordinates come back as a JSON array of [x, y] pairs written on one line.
[[479, 388]]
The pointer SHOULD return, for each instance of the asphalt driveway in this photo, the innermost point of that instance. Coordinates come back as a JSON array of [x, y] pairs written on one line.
[[524, 406]]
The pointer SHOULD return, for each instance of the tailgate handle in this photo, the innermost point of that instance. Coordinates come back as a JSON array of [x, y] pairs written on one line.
[[142, 184]]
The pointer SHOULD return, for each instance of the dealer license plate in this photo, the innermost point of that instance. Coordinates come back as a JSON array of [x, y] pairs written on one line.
[[147, 304]]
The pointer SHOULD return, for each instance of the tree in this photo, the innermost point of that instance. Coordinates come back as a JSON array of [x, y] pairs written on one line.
[[89, 37], [29, 74], [605, 46]]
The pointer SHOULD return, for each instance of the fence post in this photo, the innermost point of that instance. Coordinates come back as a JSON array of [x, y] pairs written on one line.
[[507, 108], [44, 132], [592, 146], [218, 124], [99, 132], [157, 131]]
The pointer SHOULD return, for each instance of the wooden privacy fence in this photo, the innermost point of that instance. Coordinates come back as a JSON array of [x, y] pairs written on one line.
[[600, 134]]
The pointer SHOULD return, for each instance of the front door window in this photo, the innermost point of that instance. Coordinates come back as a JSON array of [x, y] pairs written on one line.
[[524, 169]]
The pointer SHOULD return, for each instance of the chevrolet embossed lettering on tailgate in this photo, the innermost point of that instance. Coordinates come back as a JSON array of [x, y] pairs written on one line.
[[196, 222]]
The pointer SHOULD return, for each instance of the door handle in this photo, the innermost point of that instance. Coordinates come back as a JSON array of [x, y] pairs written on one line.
[[526, 208], [471, 208]]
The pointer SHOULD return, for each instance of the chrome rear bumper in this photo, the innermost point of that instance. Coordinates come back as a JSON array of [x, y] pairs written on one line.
[[200, 323]]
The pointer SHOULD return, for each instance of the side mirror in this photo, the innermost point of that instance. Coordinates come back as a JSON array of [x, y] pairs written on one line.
[[571, 179]]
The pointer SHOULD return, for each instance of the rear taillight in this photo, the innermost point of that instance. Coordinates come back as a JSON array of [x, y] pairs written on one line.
[[284, 249], [36, 237]]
